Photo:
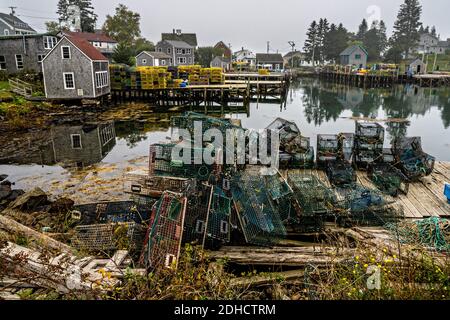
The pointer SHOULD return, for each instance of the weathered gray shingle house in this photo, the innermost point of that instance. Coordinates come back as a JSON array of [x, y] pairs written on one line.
[[271, 61], [153, 59], [355, 55], [100, 41], [25, 52], [11, 25], [221, 62], [180, 52], [74, 69]]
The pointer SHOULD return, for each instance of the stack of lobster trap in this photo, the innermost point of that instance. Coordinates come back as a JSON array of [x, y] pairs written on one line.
[[369, 143]]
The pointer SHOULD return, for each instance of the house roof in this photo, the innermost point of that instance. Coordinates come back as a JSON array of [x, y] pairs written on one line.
[[178, 44], [269, 57], [409, 61], [444, 43], [223, 59], [91, 37], [190, 38], [15, 22], [88, 49], [221, 44], [351, 49], [21, 36], [156, 55]]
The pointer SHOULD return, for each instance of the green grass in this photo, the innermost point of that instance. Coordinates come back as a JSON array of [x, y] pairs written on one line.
[[443, 61], [4, 85]]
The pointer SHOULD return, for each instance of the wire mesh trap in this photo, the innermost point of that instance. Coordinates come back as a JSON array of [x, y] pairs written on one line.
[[340, 173], [327, 149], [260, 222], [369, 143], [219, 219], [411, 159], [163, 240], [364, 206], [108, 237], [388, 179]]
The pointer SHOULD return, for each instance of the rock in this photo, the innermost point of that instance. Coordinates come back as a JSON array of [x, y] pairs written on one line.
[[5, 189], [3, 177], [15, 194], [6, 183], [62, 205], [30, 200]]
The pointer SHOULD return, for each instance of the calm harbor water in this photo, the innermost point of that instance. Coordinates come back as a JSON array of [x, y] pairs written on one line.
[[315, 106]]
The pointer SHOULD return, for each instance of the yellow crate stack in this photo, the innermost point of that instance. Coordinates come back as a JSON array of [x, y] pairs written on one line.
[[217, 76], [264, 72], [146, 77]]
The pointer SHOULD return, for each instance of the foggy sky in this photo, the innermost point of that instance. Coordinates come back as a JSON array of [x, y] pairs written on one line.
[[249, 23]]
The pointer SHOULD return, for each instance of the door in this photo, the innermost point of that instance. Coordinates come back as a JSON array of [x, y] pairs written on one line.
[[419, 69]]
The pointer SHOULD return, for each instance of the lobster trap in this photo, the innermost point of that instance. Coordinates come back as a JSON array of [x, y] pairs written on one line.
[[311, 196], [109, 236], [340, 173], [142, 185], [366, 207], [301, 160], [219, 219], [280, 196], [162, 163], [346, 146], [287, 130], [327, 149], [260, 222], [369, 143], [388, 179], [411, 159], [163, 241]]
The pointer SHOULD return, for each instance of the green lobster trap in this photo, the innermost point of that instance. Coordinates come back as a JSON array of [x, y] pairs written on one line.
[[388, 179]]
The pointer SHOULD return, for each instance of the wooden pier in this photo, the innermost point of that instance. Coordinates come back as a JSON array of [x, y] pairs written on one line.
[[383, 81], [425, 198], [237, 88]]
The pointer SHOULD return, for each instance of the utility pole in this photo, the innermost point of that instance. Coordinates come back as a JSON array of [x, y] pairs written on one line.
[[292, 44], [13, 12], [268, 46]]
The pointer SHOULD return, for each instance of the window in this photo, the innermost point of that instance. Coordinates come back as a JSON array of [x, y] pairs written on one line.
[[144, 61], [19, 61], [101, 79], [40, 57], [188, 51], [69, 81], [6, 32], [170, 61], [181, 60], [76, 141], [50, 42], [2, 63], [357, 56], [163, 62], [96, 44], [159, 49], [169, 50], [65, 52], [179, 51], [190, 60]]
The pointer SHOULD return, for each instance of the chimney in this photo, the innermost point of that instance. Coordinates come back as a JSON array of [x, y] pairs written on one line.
[[173, 31], [178, 32]]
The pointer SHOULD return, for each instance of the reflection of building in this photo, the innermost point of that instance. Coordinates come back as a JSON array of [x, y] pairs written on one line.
[[350, 98], [70, 146]]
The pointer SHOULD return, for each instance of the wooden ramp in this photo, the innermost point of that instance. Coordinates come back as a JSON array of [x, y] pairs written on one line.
[[425, 199]]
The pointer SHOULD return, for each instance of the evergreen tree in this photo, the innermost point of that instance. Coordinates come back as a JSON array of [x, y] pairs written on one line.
[[322, 32], [88, 16], [406, 28], [123, 53], [433, 31], [311, 42], [335, 42], [382, 34], [362, 30]]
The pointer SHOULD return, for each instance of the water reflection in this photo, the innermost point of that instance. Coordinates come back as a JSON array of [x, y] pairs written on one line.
[[70, 146], [325, 101]]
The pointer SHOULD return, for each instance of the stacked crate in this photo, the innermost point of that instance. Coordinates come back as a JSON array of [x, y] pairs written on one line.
[[205, 76], [369, 140], [217, 76], [118, 76], [185, 71]]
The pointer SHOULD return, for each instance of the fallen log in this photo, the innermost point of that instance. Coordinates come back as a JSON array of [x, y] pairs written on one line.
[[281, 256], [13, 227]]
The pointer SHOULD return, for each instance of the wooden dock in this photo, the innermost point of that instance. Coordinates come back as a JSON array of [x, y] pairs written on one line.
[[384, 81], [425, 199]]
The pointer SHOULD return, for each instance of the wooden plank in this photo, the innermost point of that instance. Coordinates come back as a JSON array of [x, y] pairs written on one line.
[[425, 200], [436, 188]]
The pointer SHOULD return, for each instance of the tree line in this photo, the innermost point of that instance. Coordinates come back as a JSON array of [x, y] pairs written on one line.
[[325, 41]]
